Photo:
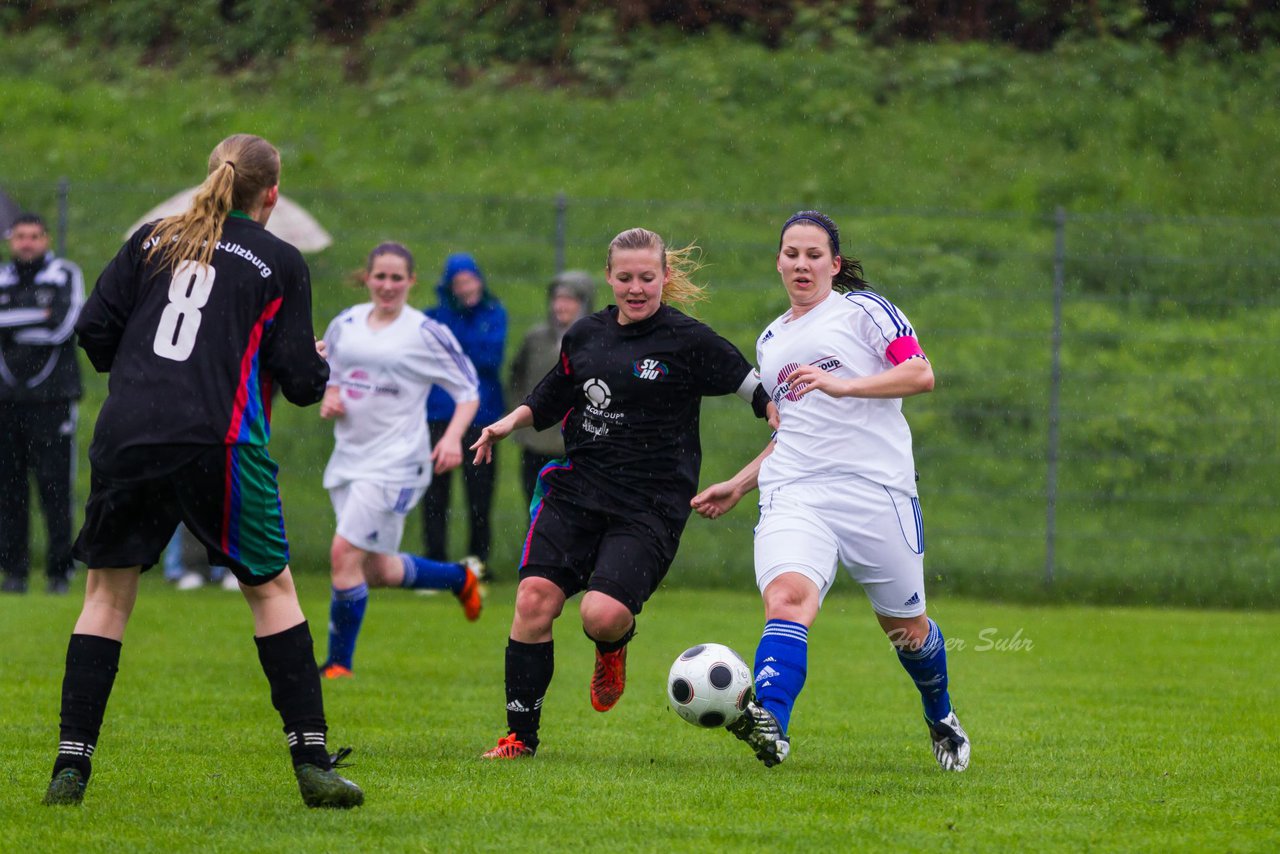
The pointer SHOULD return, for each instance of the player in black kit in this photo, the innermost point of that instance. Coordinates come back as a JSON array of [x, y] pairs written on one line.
[[195, 318], [607, 518]]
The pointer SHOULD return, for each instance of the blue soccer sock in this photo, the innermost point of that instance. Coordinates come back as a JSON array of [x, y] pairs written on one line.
[[423, 573], [927, 667], [782, 661], [346, 613]]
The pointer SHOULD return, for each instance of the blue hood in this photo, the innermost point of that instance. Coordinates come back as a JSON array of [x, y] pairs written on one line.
[[459, 262]]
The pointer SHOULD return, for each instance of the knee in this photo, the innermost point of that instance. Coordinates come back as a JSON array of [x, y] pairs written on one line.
[[537, 605], [791, 597], [605, 618], [345, 562]]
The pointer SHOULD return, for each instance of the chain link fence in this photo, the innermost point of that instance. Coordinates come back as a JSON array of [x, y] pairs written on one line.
[[1104, 426]]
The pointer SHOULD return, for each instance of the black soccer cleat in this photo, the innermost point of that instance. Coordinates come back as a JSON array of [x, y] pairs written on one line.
[[66, 788], [760, 730], [328, 789]]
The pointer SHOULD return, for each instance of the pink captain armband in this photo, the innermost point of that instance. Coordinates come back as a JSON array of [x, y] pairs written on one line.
[[906, 347]]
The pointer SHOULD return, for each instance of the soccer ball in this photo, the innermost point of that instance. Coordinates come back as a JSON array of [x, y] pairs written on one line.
[[709, 685]]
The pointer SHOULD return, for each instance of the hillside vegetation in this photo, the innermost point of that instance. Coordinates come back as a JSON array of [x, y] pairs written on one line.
[[944, 164]]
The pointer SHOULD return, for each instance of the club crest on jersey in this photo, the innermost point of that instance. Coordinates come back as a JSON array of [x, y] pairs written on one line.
[[648, 369]]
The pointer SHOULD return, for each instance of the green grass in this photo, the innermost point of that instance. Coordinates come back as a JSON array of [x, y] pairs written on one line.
[[1107, 729]]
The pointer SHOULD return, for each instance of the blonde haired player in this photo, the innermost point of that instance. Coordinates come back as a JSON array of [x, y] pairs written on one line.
[[196, 318], [384, 358], [606, 520], [837, 484]]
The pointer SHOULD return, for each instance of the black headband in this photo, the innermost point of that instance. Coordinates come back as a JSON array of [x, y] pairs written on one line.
[[807, 216]]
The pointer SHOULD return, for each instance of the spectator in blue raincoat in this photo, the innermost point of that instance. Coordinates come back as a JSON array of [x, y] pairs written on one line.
[[479, 322]]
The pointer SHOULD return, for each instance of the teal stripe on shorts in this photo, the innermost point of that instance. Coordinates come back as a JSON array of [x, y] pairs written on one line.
[[255, 523]]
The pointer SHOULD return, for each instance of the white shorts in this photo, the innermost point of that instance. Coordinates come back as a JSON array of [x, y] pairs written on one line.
[[371, 515], [875, 531]]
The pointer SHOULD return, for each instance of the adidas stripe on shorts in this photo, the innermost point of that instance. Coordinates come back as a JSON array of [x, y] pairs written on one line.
[[874, 530]]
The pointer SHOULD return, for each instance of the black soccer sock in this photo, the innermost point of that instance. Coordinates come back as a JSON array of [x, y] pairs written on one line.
[[615, 645], [92, 662], [529, 670], [289, 662]]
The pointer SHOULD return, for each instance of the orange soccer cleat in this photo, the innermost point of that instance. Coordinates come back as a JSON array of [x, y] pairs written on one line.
[[609, 679], [334, 671], [471, 596], [509, 747]]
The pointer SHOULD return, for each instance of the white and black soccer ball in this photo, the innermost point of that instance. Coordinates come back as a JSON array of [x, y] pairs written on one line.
[[709, 685]]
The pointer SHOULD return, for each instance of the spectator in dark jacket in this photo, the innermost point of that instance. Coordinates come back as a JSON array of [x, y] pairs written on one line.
[[569, 297], [479, 322], [40, 299]]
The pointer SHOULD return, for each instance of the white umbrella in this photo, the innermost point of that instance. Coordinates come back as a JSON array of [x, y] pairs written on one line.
[[288, 221]]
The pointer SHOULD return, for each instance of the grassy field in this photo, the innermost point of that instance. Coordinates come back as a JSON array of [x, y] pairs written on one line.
[[1093, 729]]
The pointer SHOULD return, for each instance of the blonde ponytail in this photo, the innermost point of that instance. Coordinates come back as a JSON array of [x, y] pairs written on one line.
[[241, 167]]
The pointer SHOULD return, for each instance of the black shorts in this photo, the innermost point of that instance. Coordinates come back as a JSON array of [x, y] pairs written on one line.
[[227, 497], [624, 554]]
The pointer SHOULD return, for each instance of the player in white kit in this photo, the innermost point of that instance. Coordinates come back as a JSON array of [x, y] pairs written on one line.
[[837, 484], [384, 357]]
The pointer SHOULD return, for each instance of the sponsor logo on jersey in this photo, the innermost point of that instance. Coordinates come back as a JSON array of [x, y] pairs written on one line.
[[786, 389], [648, 369], [768, 333], [598, 393], [791, 392], [914, 600], [356, 384], [599, 396]]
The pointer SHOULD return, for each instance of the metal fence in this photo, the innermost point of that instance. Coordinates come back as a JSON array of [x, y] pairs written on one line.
[[1105, 418]]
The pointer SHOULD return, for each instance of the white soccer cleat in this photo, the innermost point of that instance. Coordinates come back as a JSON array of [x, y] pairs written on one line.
[[950, 743]]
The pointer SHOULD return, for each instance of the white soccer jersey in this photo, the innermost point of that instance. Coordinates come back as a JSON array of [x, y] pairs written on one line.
[[385, 375], [822, 438]]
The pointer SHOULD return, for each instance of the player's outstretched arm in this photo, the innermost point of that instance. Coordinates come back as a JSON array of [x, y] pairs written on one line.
[[521, 416], [719, 498]]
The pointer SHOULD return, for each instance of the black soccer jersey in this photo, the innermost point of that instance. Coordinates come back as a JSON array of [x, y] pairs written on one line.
[[629, 397], [193, 354]]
